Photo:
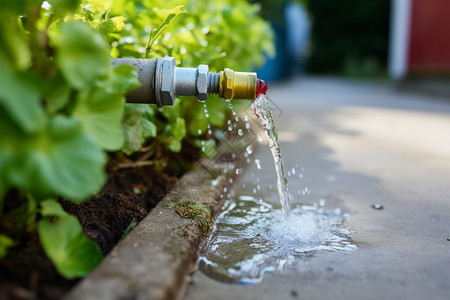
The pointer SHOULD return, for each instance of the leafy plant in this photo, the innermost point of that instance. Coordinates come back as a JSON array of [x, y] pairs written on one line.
[[61, 107], [62, 238], [63, 111]]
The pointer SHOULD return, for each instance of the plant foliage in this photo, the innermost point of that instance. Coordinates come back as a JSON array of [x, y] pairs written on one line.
[[62, 104]]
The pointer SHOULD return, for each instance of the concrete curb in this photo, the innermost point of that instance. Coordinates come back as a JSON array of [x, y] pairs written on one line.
[[155, 259]]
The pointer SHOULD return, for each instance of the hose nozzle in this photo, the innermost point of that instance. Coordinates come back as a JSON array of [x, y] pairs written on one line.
[[237, 85]]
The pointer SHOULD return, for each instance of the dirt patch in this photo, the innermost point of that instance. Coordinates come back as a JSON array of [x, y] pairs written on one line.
[[130, 193]]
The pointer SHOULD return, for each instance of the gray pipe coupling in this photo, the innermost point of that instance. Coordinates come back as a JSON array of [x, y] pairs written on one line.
[[161, 81], [172, 81]]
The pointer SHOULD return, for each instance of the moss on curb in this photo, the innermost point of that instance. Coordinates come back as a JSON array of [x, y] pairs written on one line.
[[195, 211]]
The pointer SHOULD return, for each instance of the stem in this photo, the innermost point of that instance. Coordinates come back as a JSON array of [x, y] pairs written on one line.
[[136, 164], [149, 44]]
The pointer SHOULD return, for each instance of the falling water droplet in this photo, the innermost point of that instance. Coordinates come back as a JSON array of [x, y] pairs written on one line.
[[199, 131], [293, 171], [247, 125], [245, 118], [203, 149], [230, 180], [230, 128], [254, 191], [258, 163], [289, 173], [240, 132], [258, 187], [237, 118], [249, 149], [260, 138], [229, 122], [322, 202], [238, 171], [249, 160], [231, 105], [207, 115], [225, 189], [209, 131]]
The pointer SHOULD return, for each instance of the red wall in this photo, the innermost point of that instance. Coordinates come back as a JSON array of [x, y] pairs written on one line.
[[429, 50]]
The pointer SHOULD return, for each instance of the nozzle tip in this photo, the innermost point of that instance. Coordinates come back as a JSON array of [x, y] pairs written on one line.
[[261, 87]]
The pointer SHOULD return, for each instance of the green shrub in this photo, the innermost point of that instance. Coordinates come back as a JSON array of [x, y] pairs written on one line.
[[62, 105]]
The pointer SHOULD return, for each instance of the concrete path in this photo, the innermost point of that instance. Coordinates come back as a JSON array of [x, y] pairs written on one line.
[[360, 144]]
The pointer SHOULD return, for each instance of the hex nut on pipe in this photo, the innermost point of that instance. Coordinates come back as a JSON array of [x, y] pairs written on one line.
[[202, 82], [167, 81]]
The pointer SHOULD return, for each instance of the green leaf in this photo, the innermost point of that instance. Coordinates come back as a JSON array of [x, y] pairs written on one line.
[[178, 133], [51, 208], [101, 111], [82, 55], [217, 110], [115, 24], [73, 254], [14, 41], [148, 128], [57, 94], [172, 112], [154, 34], [20, 97], [138, 126], [198, 121], [5, 243], [63, 6], [60, 160], [100, 115]]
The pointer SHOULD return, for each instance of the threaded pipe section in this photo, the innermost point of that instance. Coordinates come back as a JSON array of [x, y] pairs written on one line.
[[213, 82]]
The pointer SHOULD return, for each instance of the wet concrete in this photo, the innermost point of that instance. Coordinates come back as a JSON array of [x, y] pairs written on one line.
[[359, 144]]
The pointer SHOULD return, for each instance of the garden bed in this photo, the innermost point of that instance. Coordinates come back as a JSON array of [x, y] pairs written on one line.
[[131, 192]]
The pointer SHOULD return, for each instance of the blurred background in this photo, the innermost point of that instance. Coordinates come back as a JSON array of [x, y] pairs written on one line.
[[407, 41]]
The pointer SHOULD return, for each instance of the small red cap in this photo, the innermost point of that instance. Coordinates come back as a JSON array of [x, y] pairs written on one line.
[[261, 87]]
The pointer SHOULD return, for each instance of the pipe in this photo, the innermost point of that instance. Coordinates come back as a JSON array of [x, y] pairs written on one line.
[[161, 82]]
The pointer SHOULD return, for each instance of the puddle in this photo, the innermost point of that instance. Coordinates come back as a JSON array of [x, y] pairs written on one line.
[[252, 237]]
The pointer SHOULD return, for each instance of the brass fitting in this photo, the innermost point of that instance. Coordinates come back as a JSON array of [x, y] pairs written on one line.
[[237, 85]]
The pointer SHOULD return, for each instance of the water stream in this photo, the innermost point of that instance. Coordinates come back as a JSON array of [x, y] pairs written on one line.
[[252, 237], [264, 114]]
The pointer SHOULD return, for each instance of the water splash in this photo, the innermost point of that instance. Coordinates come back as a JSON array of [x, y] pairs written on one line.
[[251, 237]]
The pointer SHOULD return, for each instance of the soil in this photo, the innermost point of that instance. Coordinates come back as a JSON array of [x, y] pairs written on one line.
[[130, 193]]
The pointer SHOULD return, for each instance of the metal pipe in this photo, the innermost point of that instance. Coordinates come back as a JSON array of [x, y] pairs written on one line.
[[161, 82]]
